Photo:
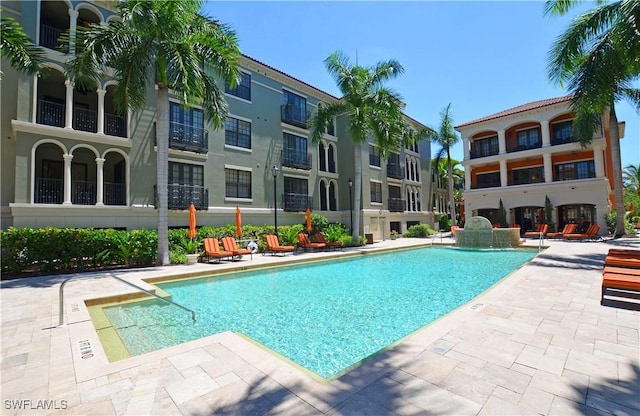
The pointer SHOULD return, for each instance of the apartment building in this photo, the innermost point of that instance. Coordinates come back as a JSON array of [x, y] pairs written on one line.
[[68, 160], [527, 153]]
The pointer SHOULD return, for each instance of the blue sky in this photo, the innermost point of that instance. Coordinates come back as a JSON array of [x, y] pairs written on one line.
[[482, 57]]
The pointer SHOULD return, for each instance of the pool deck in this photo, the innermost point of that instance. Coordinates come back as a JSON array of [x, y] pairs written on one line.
[[538, 342]]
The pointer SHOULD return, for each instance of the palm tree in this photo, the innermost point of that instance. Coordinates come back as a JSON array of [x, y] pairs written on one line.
[[631, 178], [441, 170], [598, 57], [18, 47], [446, 138], [371, 110], [183, 49]]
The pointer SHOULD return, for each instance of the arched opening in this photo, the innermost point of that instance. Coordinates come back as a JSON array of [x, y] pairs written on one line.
[[331, 158], [115, 179], [83, 177], [54, 21], [322, 157], [333, 202], [85, 108], [49, 174], [51, 98], [115, 124], [323, 196], [528, 217], [583, 215]]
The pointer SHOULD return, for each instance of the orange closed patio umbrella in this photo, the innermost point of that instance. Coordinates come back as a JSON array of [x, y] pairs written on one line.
[[192, 221], [238, 222], [308, 216]]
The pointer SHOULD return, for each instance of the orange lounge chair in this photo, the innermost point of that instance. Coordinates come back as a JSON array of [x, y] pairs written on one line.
[[454, 228], [273, 246], [541, 229], [590, 234], [319, 238], [621, 270], [229, 244], [212, 250], [304, 242], [624, 252], [568, 229], [625, 285], [622, 260]]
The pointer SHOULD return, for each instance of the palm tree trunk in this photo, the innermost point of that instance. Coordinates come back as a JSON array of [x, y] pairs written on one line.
[[162, 144], [614, 138], [355, 233], [430, 197], [452, 199]]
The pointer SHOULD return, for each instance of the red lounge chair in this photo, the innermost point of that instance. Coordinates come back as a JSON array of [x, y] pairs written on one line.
[[625, 285], [212, 250], [540, 229], [319, 238], [273, 246], [590, 234], [622, 260], [568, 229], [229, 244], [454, 228], [303, 241]]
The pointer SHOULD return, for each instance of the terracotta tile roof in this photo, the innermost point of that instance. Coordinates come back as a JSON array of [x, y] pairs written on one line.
[[519, 109]]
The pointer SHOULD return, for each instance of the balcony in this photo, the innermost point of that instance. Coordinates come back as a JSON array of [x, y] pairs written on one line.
[[49, 36], [83, 193], [48, 191], [396, 204], [181, 196], [475, 154], [296, 159], [115, 194], [297, 202], [395, 171], [521, 147], [563, 140], [486, 185], [50, 113], [85, 120], [115, 125], [294, 116], [188, 137]]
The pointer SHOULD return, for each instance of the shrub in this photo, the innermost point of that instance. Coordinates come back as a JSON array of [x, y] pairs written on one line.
[[335, 231], [419, 231]]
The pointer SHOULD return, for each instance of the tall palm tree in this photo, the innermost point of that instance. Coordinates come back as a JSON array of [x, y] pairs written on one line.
[[441, 170], [372, 110], [184, 50], [597, 56], [631, 178], [446, 138], [18, 47]]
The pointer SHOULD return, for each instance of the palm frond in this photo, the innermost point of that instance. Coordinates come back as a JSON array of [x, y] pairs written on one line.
[[18, 47]]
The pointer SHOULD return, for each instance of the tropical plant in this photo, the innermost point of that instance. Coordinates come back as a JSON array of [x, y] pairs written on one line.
[[183, 50], [631, 178], [597, 56], [18, 47], [335, 231], [446, 138], [419, 231], [372, 110]]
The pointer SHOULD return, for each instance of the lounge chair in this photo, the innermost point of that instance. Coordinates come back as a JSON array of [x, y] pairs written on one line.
[[319, 238], [212, 251], [623, 285], [541, 230], [454, 228], [622, 260], [568, 229], [303, 241], [229, 244], [590, 234], [273, 246]]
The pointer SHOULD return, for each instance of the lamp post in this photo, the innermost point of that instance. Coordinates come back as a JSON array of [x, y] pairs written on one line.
[[274, 172], [350, 182]]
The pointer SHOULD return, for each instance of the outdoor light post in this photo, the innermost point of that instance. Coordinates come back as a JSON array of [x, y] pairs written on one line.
[[350, 182], [274, 171]]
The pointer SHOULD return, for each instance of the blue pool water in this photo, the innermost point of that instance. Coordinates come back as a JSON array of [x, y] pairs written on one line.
[[325, 316]]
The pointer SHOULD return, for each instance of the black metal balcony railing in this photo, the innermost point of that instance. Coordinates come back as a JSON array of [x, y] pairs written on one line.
[[296, 202], [493, 184], [396, 204], [521, 147], [395, 171], [48, 191], [563, 140], [481, 153], [49, 36], [85, 120], [181, 196], [296, 159], [115, 194], [188, 137], [50, 113], [115, 125], [294, 116], [83, 193]]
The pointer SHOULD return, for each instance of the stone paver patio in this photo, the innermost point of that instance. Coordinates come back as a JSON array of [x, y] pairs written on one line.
[[539, 342]]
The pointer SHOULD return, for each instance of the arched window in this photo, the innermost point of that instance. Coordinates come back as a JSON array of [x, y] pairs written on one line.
[[331, 157], [322, 156], [323, 196]]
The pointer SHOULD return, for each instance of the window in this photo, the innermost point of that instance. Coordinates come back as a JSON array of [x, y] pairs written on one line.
[[575, 170], [322, 156], [527, 176], [562, 132], [296, 194], [187, 116], [295, 153], [237, 133], [294, 109], [374, 156], [376, 192], [528, 139], [488, 180], [184, 174], [237, 183], [243, 89], [485, 147], [186, 186], [186, 128]]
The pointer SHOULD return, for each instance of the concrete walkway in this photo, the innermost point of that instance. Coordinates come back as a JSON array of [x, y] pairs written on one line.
[[539, 342]]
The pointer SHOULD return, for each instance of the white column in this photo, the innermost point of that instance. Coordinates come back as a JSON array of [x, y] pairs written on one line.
[[546, 136], [73, 21], [502, 142], [598, 161], [68, 105], [100, 181], [504, 177], [101, 94], [466, 146], [467, 178], [67, 179], [548, 167], [34, 100]]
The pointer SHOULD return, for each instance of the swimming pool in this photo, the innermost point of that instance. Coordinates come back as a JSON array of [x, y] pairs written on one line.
[[325, 316]]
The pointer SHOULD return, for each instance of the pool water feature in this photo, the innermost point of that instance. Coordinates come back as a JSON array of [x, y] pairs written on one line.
[[325, 316]]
